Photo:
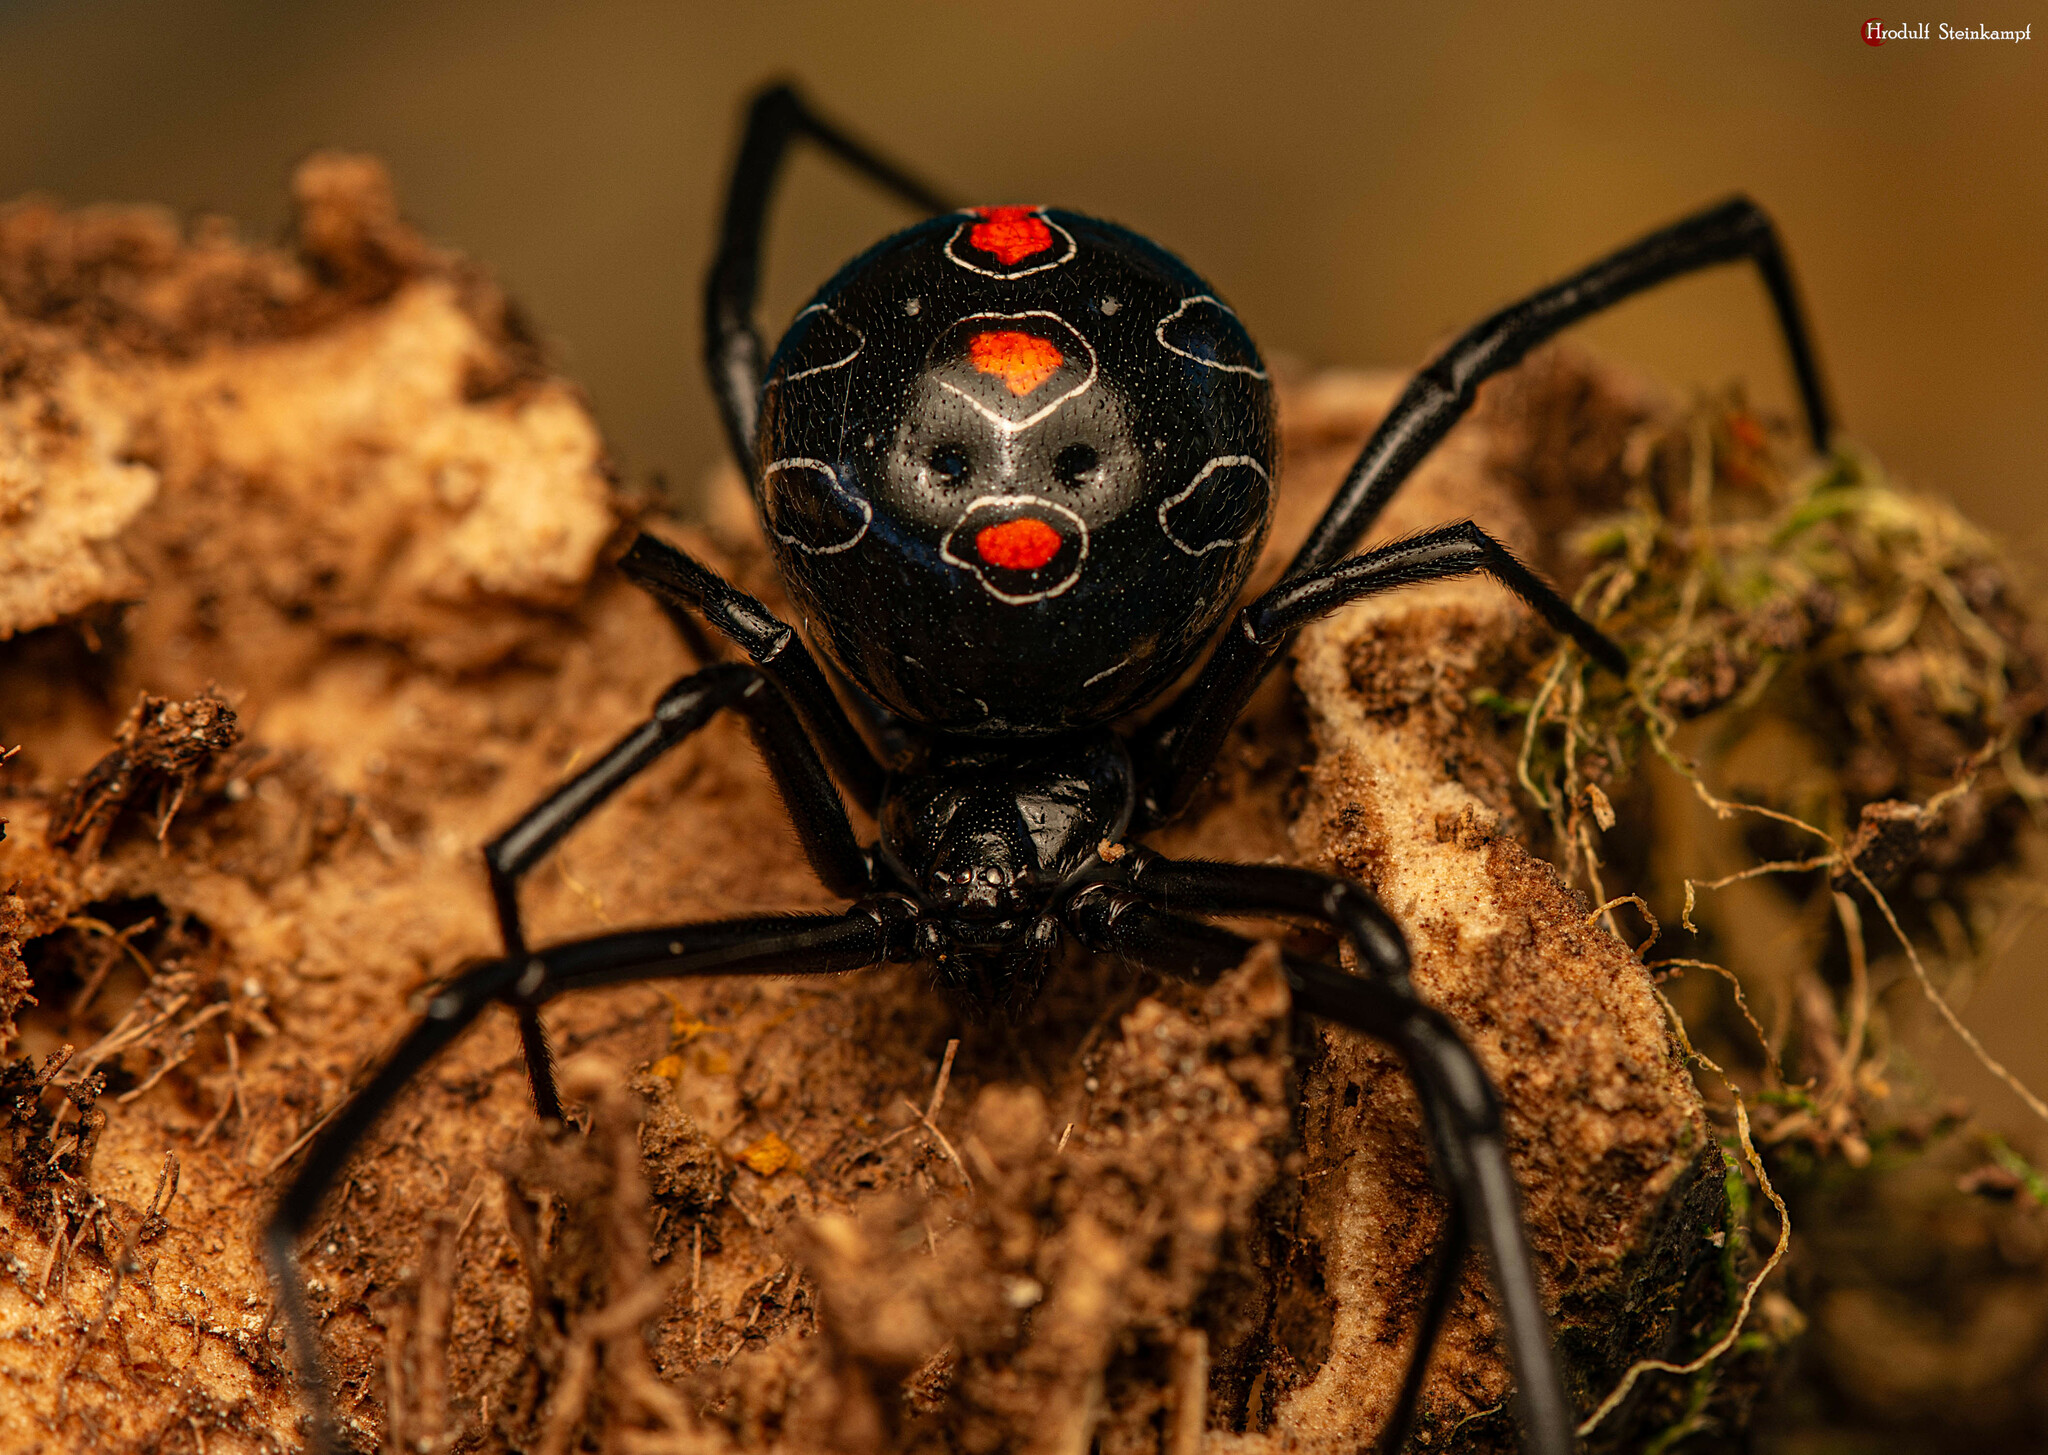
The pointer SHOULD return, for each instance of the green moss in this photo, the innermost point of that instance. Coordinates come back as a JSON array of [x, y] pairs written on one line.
[[1873, 641]]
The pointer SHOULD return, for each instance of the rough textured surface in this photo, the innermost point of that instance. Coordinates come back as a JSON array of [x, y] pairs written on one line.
[[374, 527], [66, 492], [358, 438], [1409, 795]]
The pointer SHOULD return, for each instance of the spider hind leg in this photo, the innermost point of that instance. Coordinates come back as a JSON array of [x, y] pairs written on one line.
[[1460, 1110]]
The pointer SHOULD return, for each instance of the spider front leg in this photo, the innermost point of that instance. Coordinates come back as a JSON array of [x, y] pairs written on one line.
[[1734, 231], [1177, 747], [814, 807], [680, 583], [1460, 1109], [1182, 741], [878, 929], [775, 117]]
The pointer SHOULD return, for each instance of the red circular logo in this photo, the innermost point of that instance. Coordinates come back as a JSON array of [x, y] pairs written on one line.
[[1873, 31]]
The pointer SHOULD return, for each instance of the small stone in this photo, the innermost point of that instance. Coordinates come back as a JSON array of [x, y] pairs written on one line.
[[1022, 1293]]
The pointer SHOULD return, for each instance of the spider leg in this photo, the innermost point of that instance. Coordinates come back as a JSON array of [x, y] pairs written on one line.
[[876, 929], [1382, 951], [1459, 1105], [776, 116], [1179, 744], [1439, 396], [678, 581], [814, 807]]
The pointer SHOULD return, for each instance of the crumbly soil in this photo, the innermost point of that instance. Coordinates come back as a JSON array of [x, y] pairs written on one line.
[[327, 510]]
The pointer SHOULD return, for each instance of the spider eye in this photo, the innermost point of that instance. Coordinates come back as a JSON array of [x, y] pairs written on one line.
[[1074, 463], [949, 462]]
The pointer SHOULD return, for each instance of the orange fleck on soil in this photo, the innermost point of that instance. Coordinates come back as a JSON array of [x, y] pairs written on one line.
[[1010, 234], [1017, 545], [1023, 361], [768, 1156]]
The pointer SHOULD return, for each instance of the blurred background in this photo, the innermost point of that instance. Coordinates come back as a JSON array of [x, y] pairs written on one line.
[[1360, 180]]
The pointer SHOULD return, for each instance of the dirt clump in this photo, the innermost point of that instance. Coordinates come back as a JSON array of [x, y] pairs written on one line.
[[163, 745]]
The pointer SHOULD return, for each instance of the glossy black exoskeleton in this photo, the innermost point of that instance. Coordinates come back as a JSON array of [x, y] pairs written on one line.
[[990, 835], [1015, 465]]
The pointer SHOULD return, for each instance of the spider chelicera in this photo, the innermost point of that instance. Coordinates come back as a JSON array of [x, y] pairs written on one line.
[[1015, 465]]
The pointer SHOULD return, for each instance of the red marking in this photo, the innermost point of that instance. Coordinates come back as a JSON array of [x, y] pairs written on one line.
[[1023, 361], [1023, 544], [1009, 234]]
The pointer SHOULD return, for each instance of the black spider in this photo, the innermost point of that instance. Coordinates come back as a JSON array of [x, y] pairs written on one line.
[[1015, 465]]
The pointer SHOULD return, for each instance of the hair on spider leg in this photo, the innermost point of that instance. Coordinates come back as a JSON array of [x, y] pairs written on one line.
[[960, 473]]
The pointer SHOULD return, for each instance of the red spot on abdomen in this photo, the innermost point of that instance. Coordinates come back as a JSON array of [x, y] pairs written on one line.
[[1009, 234], [1023, 544], [1023, 361]]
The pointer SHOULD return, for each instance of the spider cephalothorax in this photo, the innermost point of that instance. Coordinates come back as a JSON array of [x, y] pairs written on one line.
[[1023, 429], [1015, 465], [988, 838]]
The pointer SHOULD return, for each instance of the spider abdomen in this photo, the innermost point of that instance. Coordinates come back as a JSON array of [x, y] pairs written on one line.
[[1015, 465]]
